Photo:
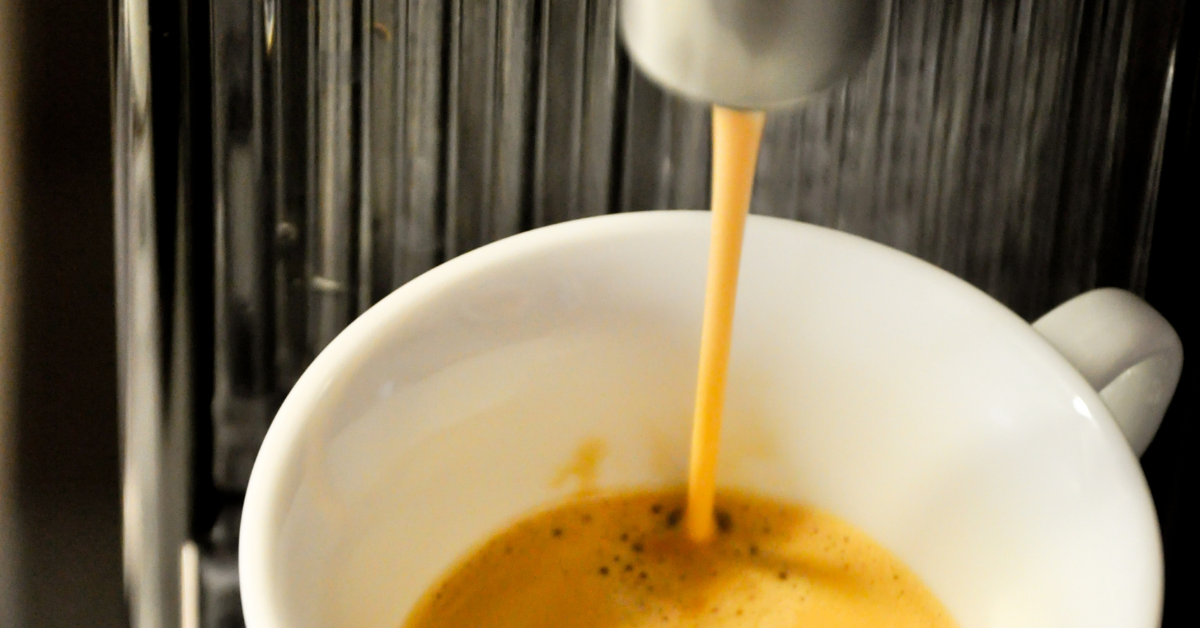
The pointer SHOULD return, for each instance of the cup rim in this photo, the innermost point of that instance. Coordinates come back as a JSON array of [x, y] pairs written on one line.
[[264, 508]]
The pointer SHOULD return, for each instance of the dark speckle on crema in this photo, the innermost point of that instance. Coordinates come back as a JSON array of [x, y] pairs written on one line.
[[673, 517], [556, 532], [724, 521]]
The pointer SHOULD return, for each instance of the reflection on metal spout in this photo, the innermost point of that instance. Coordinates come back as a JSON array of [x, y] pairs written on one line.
[[755, 54]]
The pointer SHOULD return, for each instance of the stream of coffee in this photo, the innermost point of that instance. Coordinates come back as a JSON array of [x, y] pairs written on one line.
[[736, 136]]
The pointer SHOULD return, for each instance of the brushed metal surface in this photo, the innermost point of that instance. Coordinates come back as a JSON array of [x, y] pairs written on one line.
[[154, 365], [753, 54]]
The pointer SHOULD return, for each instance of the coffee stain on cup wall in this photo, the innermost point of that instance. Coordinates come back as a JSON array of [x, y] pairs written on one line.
[[583, 467]]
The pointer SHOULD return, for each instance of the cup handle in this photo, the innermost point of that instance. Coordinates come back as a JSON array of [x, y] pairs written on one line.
[[1126, 350]]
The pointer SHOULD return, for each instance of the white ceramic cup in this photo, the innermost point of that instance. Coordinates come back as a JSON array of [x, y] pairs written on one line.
[[863, 381]]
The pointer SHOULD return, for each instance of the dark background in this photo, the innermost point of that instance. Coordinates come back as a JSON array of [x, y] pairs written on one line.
[[67, 487]]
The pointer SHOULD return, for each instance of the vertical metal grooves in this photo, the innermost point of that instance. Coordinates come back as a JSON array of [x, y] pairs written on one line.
[[333, 208], [514, 120], [364, 269], [561, 73], [422, 148], [600, 75], [244, 295], [289, 69], [471, 121]]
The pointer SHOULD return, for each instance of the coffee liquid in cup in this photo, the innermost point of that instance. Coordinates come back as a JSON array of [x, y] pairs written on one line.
[[626, 560], [688, 559]]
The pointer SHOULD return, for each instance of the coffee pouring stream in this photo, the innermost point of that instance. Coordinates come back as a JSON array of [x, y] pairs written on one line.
[[743, 56]]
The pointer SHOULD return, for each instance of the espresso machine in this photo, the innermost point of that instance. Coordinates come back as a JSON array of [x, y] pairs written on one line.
[[282, 166]]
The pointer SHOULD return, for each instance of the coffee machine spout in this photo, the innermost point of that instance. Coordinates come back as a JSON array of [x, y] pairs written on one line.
[[754, 54]]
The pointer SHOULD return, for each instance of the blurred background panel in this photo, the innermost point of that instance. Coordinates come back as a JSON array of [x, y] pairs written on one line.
[[8, 313], [60, 499]]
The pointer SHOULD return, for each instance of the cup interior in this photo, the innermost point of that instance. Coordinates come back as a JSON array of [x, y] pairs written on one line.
[[862, 381]]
